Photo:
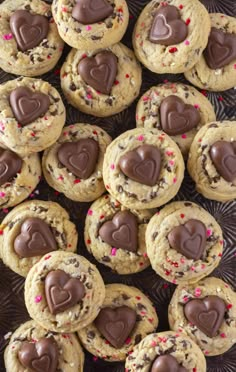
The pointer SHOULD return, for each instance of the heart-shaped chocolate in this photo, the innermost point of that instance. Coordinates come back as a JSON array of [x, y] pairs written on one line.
[[28, 29], [223, 155], [35, 239], [79, 157], [142, 164], [40, 356], [121, 232], [91, 11], [207, 314], [28, 106], [168, 28], [178, 117], [62, 291], [220, 50], [10, 165], [116, 324], [100, 71], [167, 363]]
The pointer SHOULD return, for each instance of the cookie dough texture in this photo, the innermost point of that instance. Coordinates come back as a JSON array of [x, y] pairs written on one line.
[[61, 179], [53, 214], [121, 295], [123, 261], [21, 186], [70, 357], [166, 261], [148, 110], [209, 286], [87, 99], [76, 317], [40, 134], [97, 35], [36, 61], [180, 346], [200, 166], [135, 195], [215, 80], [164, 59]]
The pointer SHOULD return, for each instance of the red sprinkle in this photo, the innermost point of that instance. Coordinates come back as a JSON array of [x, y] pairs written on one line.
[[229, 306], [188, 20], [88, 241], [127, 76], [173, 50], [77, 181], [1, 232], [181, 6], [116, 82], [182, 215]]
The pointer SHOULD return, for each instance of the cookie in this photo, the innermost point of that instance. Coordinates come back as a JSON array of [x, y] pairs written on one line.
[[177, 109], [89, 24], [205, 311], [143, 168], [73, 165], [212, 161], [126, 317], [33, 348], [116, 236], [32, 115], [166, 351], [101, 82], [33, 229], [184, 242], [18, 177], [29, 41], [216, 69], [170, 36]]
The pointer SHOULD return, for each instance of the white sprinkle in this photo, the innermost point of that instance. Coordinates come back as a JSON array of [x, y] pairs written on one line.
[[72, 364], [218, 289], [7, 335], [218, 72]]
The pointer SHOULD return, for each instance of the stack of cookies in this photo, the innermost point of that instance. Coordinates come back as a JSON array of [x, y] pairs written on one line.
[[130, 179]]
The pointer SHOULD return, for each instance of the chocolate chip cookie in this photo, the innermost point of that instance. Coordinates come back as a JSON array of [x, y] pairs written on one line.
[[212, 161], [184, 242], [33, 229], [101, 82], [73, 165], [125, 318]]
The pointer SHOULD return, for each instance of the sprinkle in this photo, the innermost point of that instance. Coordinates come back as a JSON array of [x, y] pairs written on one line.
[[38, 299], [153, 343], [47, 257], [187, 42], [169, 153], [182, 260], [235, 66], [127, 76], [64, 9], [5, 210], [206, 352], [171, 162], [1, 232], [223, 335], [128, 341], [90, 212], [184, 136], [204, 92], [7, 36], [89, 96], [188, 20], [174, 180], [140, 263], [174, 281], [165, 285], [113, 251], [181, 6], [146, 98], [220, 98], [145, 254], [196, 106], [77, 181], [88, 241], [203, 266], [185, 298], [221, 242], [107, 187], [197, 292], [116, 82], [2, 194], [60, 178], [209, 232], [140, 138], [88, 28], [173, 50], [229, 306], [112, 166], [182, 215], [95, 358], [102, 216]]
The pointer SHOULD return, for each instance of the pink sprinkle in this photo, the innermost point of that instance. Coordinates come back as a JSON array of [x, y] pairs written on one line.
[[153, 343], [193, 268], [64, 9], [223, 335], [197, 292], [5, 210], [88, 28], [221, 242], [145, 98], [145, 254], [140, 138], [47, 257], [197, 106], [235, 66], [38, 299], [174, 281], [128, 341], [90, 212], [113, 251], [2, 194], [184, 136], [203, 266], [185, 299], [206, 352], [7, 36], [169, 153], [182, 260], [61, 178], [89, 96], [209, 232], [175, 180], [95, 358], [171, 162], [187, 42], [112, 166]]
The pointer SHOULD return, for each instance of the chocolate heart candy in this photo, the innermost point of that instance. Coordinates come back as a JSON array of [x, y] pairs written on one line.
[[100, 71], [206, 314], [142, 164], [35, 239], [189, 239], [28, 29], [178, 117], [220, 50], [167, 27], [121, 232], [79, 157], [91, 11], [10, 165], [40, 356], [62, 291], [223, 155], [116, 324], [167, 363], [28, 106]]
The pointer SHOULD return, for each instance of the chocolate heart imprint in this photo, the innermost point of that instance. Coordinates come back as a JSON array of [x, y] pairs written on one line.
[[121, 232], [79, 157], [62, 291], [167, 363], [167, 27], [10, 165], [178, 117], [40, 356], [116, 324], [189, 239], [28, 106], [223, 155], [220, 50], [142, 164], [28, 29], [91, 11], [207, 314], [100, 71], [35, 239]]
